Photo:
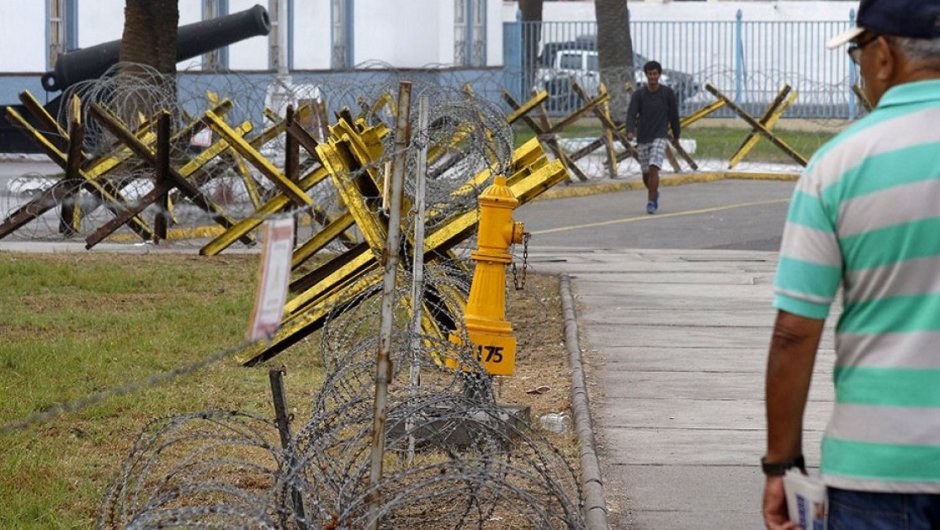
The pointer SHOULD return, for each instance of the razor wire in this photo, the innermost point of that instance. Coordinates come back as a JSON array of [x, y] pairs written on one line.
[[475, 464], [474, 469], [131, 387], [469, 129]]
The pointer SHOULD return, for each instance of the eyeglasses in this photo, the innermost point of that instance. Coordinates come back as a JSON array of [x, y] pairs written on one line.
[[855, 50]]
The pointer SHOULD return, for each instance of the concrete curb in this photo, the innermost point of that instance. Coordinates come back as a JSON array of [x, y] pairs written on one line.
[[580, 190], [592, 487], [24, 157]]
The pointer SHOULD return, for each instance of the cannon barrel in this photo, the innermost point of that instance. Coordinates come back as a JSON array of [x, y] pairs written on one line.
[[191, 40]]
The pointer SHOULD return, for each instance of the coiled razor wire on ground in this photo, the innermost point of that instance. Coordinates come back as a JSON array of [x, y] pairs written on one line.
[[473, 469], [475, 465]]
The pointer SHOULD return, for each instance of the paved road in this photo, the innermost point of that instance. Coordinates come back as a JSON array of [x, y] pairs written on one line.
[[728, 214], [674, 329]]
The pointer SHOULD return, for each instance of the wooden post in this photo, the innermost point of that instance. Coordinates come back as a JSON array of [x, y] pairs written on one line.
[[161, 176], [282, 418]]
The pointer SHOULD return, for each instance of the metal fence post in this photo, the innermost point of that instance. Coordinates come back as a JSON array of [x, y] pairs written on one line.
[[853, 75], [282, 419], [514, 74], [417, 267], [383, 364], [738, 56]]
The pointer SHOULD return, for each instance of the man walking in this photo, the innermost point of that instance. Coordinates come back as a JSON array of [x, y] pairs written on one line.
[[655, 107], [866, 214]]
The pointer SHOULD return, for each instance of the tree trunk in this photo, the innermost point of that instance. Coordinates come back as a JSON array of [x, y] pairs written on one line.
[[614, 52], [531, 35], [150, 28]]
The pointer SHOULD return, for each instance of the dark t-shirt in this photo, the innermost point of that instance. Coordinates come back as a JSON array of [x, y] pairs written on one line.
[[655, 111]]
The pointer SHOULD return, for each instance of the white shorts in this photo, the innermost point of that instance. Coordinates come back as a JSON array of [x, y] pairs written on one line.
[[652, 154]]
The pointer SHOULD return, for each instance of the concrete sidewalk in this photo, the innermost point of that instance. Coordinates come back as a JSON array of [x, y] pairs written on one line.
[[675, 343]]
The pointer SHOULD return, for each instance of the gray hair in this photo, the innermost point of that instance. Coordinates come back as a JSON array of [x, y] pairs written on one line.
[[927, 50]]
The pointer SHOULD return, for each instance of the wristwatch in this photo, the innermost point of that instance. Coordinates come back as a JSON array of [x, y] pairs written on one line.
[[777, 469]]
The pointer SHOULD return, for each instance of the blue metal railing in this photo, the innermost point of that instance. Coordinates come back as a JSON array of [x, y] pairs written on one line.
[[749, 61]]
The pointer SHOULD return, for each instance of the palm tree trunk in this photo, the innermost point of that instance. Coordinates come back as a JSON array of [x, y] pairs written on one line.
[[614, 51], [531, 35], [149, 39]]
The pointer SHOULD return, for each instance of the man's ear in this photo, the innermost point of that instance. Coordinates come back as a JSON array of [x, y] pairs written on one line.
[[884, 60]]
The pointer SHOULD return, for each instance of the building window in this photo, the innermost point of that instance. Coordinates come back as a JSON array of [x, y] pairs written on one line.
[[478, 33], [470, 32], [460, 32], [216, 59], [341, 25], [62, 35]]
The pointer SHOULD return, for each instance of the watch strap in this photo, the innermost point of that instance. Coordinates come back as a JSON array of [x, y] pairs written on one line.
[[777, 469]]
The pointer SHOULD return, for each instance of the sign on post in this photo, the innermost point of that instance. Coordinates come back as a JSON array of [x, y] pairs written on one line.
[[273, 278]]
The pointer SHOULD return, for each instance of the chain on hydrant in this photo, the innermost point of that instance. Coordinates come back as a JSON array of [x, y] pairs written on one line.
[[518, 280], [485, 316]]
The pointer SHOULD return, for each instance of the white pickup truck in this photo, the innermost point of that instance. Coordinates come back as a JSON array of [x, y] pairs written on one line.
[[564, 62]]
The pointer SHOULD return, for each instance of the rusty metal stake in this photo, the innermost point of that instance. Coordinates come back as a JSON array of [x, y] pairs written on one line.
[[383, 365], [417, 286], [276, 375]]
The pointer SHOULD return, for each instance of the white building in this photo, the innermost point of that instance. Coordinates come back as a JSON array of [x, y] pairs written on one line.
[[339, 34], [323, 34]]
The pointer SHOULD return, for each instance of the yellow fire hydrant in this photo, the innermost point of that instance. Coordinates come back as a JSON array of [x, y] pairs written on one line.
[[494, 345]]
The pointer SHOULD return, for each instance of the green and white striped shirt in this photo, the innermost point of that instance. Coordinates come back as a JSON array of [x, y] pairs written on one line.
[[866, 215]]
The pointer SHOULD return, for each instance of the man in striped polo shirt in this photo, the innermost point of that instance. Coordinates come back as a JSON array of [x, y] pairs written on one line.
[[866, 215]]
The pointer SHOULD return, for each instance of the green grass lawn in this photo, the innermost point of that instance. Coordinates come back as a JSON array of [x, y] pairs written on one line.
[[712, 142], [75, 324]]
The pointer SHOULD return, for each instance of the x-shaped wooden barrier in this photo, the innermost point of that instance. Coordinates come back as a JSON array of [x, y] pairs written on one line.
[[314, 175], [545, 131], [167, 176], [757, 127], [768, 119], [610, 130], [345, 280], [90, 174]]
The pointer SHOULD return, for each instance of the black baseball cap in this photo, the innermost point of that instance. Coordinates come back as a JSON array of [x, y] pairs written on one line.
[[916, 19]]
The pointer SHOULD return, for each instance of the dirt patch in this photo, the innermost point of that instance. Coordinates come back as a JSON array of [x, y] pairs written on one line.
[[542, 378]]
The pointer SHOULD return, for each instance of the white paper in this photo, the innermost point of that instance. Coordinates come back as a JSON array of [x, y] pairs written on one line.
[[807, 502], [202, 138], [274, 278]]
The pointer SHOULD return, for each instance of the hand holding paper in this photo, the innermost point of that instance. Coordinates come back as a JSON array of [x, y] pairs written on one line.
[[807, 502]]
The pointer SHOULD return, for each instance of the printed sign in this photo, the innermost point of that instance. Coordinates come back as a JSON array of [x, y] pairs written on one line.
[[273, 278]]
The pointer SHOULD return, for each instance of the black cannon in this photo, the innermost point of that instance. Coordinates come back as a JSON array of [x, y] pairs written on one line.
[[92, 62], [192, 40]]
